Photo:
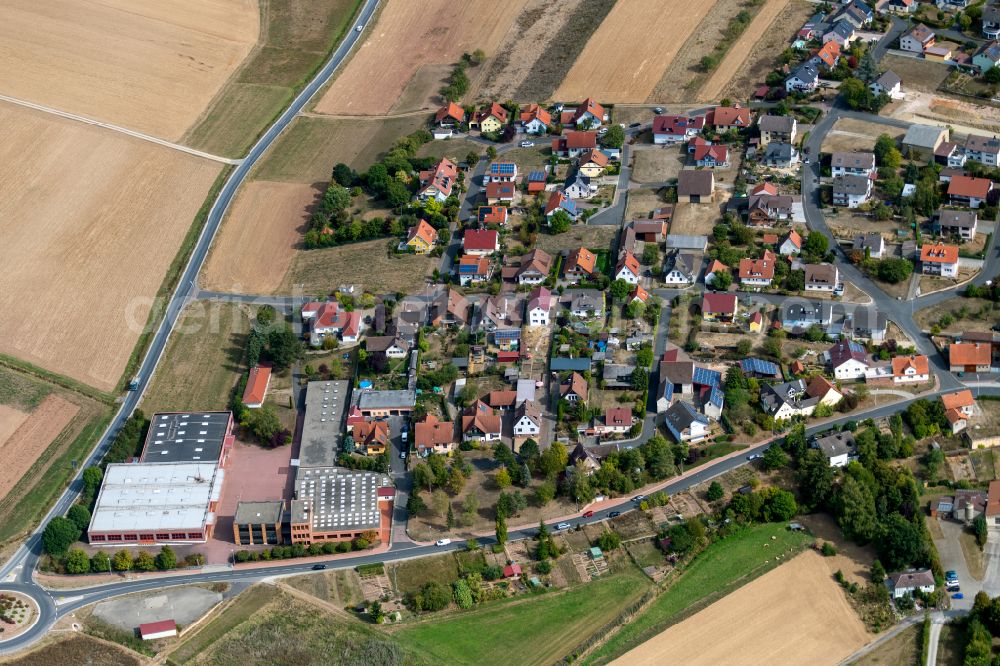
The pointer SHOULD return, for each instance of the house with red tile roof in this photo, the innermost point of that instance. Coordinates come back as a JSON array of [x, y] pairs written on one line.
[[616, 421], [939, 259], [628, 268], [421, 237], [472, 268], [573, 144], [534, 119], [490, 119], [961, 401], [724, 118], [828, 55], [438, 182], [559, 201], [711, 156], [480, 241], [675, 129], [492, 215], [757, 272], [592, 163], [968, 191], [719, 307], [580, 264], [431, 435], [573, 388], [910, 369], [500, 193], [638, 294], [480, 422], [371, 437], [970, 356], [792, 244], [449, 115], [588, 114], [257, 384], [715, 268], [326, 319]]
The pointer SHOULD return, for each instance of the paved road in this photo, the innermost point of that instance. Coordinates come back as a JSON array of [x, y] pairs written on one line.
[[937, 621], [22, 564]]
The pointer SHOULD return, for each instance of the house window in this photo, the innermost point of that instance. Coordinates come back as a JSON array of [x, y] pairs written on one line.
[[131, 537]]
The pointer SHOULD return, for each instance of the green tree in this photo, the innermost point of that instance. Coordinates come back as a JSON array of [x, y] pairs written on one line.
[[502, 478], [609, 541], [816, 244], [775, 457], [166, 559], [76, 561], [463, 594], [815, 478], [92, 477], [553, 460], [857, 514], [450, 522], [501, 528], [715, 491], [855, 93], [59, 535], [283, 347], [122, 561], [614, 137], [100, 562], [560, 222], [263, 423], [545, 492], [80, 516], [900, 543], [894, 270], [144, 561], [722, 280], [868, 67], [992, 75]]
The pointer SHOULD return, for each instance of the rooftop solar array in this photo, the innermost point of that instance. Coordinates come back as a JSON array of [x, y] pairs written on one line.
[[706, 377], [759, 366], [503, 168], [716, 396]]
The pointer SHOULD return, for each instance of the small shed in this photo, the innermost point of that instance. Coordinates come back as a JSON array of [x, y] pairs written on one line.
[[596, 554], [153, 630], [512, 570]]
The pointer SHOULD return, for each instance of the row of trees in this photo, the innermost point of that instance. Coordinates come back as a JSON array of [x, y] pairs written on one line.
[[365, 541], [78, 562]]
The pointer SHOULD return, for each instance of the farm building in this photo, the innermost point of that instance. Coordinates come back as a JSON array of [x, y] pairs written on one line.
[[163, 502], [154, 630], [257, 384]]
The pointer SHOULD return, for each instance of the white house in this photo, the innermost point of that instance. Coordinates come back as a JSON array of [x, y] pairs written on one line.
[[889, 83], [939, 259], [822, 278], [538, 307], [848, 360], [805, 77], [791, 245], [628, 268], [527, 420], [685, 423], [917, 39], [910, 369], [905, 583], [839, 448], [715, 268], [852, 163], [851, 191], [684, 270]]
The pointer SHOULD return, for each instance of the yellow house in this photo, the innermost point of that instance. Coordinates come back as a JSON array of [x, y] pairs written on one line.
[[492, 119], [592, 163], [756, 322], [421, 238]]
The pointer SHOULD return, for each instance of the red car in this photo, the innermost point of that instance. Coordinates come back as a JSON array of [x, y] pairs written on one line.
[[588, 514]]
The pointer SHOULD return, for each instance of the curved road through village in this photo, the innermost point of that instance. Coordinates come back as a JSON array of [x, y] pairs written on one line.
[[17, 573]]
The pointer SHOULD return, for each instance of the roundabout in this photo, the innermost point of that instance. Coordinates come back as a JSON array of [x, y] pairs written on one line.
[[25, 613]]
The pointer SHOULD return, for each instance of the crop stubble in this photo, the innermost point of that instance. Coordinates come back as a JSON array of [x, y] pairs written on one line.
[[91, 219], [149, 66], [20, 451], [408, 35], [626, 57], [800, 616]]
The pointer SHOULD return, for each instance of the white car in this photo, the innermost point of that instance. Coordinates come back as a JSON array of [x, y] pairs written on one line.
[[563, 526], [527, 144], [442, 542], [358, 29]]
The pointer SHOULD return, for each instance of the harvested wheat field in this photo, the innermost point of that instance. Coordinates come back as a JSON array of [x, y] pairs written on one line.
[[737, 54], [408, 35], [259, 237], [30, 440], [92, 219], [369, 265], [625, 59], [149, 66], [800, 616]]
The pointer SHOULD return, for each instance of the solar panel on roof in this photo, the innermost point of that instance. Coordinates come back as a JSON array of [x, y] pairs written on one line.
[[759, 366], [507, 334], [668, 390], [707, 377], [715, 396]]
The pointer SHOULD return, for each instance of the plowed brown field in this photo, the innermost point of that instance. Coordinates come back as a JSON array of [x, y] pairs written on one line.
[[148, 65], [90, 222], [10, 421], [30, 440], [408, 35], [625, 58], [800, 616]]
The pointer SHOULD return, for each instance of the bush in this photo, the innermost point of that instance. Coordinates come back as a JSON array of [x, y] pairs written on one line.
[[544, 567], [76, 561], [609, 541], [828, 549]]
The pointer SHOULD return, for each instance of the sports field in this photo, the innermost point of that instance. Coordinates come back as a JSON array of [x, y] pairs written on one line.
[[147, 65], [91, 220], [800, 616], [407, 36]]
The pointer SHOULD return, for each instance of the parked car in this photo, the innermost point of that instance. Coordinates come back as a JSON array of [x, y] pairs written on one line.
[[563, 526], [953, 586], [527, 144], [588, 514], [951, 575], [318, 567], [638, 498], [958, 595], [402, 455], [442, 542], [658, 110], [614, 514], [635, 124], [754, 456]]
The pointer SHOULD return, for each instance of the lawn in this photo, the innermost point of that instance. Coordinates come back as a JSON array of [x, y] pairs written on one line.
[[411, 575], [720, 569], [296, 40], [540, 629], [203, 360], [78, 649], [716, 450], [578, 236]]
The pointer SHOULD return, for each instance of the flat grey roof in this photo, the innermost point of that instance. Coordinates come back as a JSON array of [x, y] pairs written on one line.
[[259, 513], [157, 497], [185, 437], [387, 399], [322, 426], [924, 136], [333, 499]]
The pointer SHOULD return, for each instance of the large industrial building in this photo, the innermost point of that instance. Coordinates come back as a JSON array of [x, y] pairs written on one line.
[[338, 504], [323, 423], [156, 502], [189, 437]]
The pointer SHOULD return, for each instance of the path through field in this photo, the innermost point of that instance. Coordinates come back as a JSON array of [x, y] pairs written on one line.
[[799, 616]]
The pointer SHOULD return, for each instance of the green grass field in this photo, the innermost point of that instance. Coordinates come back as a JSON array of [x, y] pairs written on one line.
[[242, 609], [298, 37], [534, 630], [410, 575], [203, 360], [721, 568]]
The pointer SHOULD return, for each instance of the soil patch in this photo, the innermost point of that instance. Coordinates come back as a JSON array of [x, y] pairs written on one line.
[[10, 420], [627, 56], [150, 66], [408, 35], [789, 626], [113, 211], [20, 451]]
